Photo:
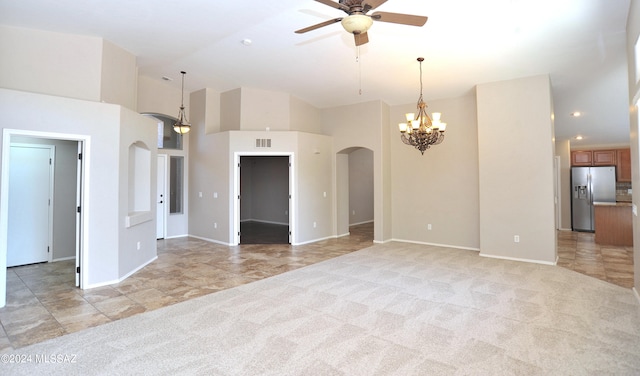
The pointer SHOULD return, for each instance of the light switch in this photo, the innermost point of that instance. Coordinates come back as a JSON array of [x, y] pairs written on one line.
[[215, 194]]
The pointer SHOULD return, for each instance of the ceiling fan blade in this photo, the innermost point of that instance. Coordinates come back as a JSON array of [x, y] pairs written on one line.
[[361, 38], [405, 19], [372, 4], [333, 4], [317, 26]]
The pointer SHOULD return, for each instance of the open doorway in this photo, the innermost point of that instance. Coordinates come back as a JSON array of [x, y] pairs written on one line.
[[264, 199], [355, 189], [55, 168]]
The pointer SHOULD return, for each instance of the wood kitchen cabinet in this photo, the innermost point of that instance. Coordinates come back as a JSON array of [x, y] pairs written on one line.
[[582, 158], [623, 165], [604, 157]]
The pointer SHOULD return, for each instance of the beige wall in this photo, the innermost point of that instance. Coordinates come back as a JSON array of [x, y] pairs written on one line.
[[440, 187], [633, 32], [159, 97], [59, 64], [118, 84], [516, 150], [262, 109], [363, 125], [67, 65]]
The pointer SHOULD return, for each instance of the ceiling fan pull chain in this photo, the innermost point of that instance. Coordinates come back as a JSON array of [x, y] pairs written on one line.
[[359, 70]]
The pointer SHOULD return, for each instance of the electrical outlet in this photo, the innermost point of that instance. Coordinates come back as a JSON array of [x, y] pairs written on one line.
[[324, 194], [200, 194], [353, 213], [215, 225], [286, 212], [138, 246], [215, 194], [429, 227], [516, 238], [314, 225]]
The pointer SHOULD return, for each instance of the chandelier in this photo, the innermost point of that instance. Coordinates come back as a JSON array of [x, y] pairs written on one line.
[[419, 130], [182, 126]]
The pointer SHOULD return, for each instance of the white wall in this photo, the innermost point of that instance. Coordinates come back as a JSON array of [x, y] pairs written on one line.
[[440, 187], [564, 152], [516, 176], [108, 258], [137, 244], [58, 64]]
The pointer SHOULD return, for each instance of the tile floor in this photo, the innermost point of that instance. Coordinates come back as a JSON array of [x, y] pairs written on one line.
[[577, 251], [43, 303]]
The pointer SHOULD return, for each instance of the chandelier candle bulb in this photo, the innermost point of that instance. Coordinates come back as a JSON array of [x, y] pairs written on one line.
[[423, 132], [402, 127]]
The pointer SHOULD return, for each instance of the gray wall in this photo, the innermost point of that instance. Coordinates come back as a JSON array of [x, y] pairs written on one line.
[[360, 186]]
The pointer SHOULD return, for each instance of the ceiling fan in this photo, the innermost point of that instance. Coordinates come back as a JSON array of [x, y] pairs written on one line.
[[357, 22]]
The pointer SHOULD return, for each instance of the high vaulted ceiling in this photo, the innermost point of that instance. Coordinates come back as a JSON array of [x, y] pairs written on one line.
[[579, 43]]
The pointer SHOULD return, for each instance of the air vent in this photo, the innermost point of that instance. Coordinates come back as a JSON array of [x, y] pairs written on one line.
[[263, 142]]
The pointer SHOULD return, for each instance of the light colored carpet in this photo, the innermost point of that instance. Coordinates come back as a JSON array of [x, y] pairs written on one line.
[[391, 309]]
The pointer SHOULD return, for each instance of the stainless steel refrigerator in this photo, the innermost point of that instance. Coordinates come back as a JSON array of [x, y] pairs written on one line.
[[589, 185]]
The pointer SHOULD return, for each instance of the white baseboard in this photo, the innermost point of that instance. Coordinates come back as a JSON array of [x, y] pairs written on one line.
[[177, 236], [64, 259], [268, 222], [552, 263], [434, 244], [315, 240], [345, 234], [113, 282], [360, 223], [211, 240]]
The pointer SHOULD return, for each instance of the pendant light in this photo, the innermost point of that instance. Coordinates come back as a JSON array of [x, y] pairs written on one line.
[[182, 126]]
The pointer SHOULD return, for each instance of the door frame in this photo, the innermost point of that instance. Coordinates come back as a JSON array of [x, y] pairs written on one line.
[[84, 194], [165, 165], [235, 213]]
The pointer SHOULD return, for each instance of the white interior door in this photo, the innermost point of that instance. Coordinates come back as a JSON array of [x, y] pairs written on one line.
[[161, 196], [30, 233]]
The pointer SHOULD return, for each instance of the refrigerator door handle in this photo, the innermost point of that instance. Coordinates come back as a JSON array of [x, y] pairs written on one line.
[[590, 190]]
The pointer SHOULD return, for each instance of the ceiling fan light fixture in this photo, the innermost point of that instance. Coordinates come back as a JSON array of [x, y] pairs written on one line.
[[357, 23]]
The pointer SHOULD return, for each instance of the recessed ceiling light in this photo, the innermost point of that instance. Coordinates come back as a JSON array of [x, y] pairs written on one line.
[[576, 114], [247, 42], [578, 137], [167, 78]]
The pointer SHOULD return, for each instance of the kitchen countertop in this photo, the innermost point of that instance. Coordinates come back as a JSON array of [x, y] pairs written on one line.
[[619, 203]]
